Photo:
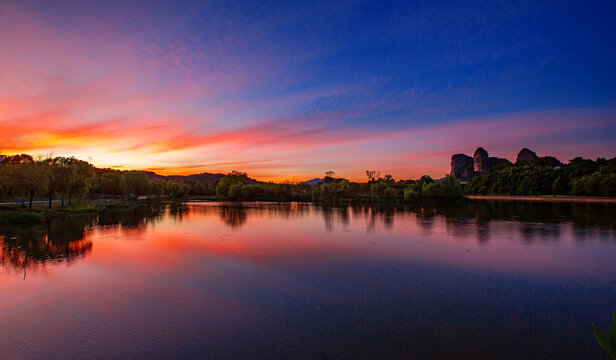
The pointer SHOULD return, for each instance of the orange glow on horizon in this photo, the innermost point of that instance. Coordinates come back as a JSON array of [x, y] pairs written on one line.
[[257, 149]]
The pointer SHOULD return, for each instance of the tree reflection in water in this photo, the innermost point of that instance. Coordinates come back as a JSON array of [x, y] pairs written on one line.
[[178, 211], [233, 215], [138, 217], [65, 240], [58, 240], [537, 221]]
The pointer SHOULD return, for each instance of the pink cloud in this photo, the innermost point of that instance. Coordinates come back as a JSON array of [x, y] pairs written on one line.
[[140, 101]]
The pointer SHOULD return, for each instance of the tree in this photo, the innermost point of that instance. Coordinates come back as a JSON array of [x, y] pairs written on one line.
[[135, 182], [6, 183], [81, 181], [388, 180], [59, 177], [176, 189], [109, 183], [222, 188], [547, 161], [232, 178], [248, 192], [422, 184], [373, 175], [17, 159], [235, 191], [30, 179], [344, 187], [377, 189]]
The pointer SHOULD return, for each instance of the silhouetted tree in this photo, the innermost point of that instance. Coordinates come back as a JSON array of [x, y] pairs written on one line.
[[372, 175]]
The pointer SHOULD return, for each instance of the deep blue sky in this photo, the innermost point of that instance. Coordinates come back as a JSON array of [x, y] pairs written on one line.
[[291, 89]]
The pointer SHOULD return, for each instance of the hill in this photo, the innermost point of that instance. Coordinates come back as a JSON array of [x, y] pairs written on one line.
[[198, 178]]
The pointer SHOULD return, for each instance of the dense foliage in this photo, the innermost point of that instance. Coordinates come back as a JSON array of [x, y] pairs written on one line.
[[386, 188], [581, 177], [69, 178]]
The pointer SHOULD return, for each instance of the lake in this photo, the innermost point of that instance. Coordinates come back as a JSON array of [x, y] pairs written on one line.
[[208, 280]]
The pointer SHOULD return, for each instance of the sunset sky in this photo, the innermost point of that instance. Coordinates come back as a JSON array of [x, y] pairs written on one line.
[[290, 89]]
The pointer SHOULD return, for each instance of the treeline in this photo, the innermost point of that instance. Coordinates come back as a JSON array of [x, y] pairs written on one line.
[[67, 178], [386, 188], [235, 185], [580, 177]]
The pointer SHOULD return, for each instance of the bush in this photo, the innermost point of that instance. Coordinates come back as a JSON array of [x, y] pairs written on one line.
[[580, 177], [235, 191], [410, 194], [20, 217], [391, 192], [248, 192]]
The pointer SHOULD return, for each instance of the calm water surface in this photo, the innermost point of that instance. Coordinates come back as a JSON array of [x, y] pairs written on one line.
[[483, 280]]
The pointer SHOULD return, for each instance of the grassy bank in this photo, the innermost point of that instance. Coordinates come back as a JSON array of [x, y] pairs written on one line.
[[20, 216], [552, 198]]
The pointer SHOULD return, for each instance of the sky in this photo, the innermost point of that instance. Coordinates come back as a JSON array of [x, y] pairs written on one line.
[[286, 90]]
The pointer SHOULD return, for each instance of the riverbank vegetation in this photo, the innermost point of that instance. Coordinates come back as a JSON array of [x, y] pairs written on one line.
[[61, 181], [580, 177], [69, 185], [386, 188]]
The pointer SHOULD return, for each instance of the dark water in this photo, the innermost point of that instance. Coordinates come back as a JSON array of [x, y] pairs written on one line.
[[483, 280]]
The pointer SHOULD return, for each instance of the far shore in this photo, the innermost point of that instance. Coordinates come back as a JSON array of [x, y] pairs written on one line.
[[551, 198]]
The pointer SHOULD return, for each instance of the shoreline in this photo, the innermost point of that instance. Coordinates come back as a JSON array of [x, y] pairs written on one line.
[[548, 198]]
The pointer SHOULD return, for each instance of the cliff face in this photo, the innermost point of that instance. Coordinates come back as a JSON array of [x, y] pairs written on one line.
[[462, 166], [526, 155], [495, 161], [482, 161]]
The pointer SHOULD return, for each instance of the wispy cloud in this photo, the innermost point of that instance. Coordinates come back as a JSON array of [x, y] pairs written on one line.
[[210, 88]]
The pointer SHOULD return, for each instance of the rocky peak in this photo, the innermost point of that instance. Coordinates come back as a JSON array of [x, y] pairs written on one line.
[[462, 166], [526, 155], [481, 160]]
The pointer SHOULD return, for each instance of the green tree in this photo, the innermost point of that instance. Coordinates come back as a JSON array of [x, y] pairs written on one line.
[[81, 180], [30, 179], [344, 188], [222, 189], [176, 189], [372, 175], [377, 189], [248, 192], [232, 178], [235, 191], [388, 180], [135, 182], [59, 176], [109, 183]]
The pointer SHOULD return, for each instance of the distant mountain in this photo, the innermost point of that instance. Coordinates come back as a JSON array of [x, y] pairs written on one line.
[[315, 181], [203, 177]]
